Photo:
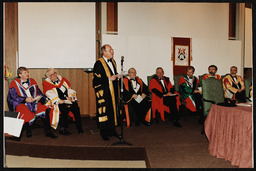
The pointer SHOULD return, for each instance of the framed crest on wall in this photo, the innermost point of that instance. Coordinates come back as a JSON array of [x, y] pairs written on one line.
[[181, 54]]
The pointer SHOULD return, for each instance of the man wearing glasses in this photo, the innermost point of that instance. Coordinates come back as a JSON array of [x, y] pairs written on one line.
[[63, 99]]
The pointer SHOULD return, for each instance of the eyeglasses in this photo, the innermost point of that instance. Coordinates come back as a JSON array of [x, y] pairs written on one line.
[[52, 74]]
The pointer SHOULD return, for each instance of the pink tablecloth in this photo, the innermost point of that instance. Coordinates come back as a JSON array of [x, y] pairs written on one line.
[[229, 131]]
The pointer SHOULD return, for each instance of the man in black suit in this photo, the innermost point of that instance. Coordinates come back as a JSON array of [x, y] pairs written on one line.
[[105, 83]]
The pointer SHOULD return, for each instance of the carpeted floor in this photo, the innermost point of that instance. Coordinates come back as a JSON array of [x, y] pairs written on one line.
[[161, 145]]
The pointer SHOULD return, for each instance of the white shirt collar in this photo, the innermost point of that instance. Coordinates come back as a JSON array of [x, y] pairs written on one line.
[[106, 59]]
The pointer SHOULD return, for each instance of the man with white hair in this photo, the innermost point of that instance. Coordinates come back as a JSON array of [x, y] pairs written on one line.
[[137, 99], [63, 99]]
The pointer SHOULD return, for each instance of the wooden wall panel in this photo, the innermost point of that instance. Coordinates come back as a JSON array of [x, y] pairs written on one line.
[[112, 16], [10, 41]]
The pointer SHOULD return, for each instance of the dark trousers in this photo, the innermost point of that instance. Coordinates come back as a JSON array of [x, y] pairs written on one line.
[[65, 109], [170, 101], [240, 96], [199, 104]]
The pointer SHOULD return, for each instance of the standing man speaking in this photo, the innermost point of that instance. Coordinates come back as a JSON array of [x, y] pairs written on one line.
[[105, 83]]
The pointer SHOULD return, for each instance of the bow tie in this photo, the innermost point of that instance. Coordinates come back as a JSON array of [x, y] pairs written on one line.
[[160, 79], [109, 60], [133, 79], [234, 77], [56, 82], [190, 77], [24, 82]]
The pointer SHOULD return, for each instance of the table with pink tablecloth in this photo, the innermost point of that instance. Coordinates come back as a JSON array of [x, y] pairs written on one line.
[[229, 131]]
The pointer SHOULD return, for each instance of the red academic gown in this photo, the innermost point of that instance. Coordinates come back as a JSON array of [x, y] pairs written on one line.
[[126, 86], [48, 85], [16, 98], [158, 102]]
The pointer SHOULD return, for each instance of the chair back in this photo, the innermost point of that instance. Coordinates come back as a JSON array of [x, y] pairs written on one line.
[[149, 78], [43, 78], [10, 80], [247, 84], [200, 77], [212, 92], [176, 81]]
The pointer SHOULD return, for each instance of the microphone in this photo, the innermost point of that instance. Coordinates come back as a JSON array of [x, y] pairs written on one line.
[[122, 60]]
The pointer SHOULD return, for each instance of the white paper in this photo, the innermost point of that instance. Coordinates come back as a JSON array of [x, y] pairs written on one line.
[[67, 102], [13, 126], [173, 95], [200, 88], [37, 97], [139, 98]]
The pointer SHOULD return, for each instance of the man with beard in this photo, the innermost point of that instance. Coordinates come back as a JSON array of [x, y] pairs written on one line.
[[233, 85], [212, 69]]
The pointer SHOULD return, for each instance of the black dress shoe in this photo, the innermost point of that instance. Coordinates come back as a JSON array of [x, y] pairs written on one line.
[[50, 134], [147, 123], [177, 124], [64, 132], [105, 138], [29, 133], [80, 131], [117, 136]]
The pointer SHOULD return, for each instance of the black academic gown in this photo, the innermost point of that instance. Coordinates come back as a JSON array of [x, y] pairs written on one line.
[[106, 94], [137, 111]]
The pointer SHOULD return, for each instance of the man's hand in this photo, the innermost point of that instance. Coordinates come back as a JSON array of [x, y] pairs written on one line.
[[61, 101], [30, 99], [119, 76], [69, 98], [197, 91], [143, 95], [112, 78], [239, 90], [134, 96], [168, 94]]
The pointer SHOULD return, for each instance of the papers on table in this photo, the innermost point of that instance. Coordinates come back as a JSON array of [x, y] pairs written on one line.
[[139, 99], [249, 104]]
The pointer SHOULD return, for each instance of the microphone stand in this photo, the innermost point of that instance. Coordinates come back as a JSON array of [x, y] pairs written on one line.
[[122, 141]]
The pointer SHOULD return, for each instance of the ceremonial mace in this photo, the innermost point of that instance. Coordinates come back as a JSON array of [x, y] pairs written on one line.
[[121, 108]]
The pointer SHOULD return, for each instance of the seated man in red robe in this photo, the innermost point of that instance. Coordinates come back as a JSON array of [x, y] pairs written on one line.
[[26, 98], [137, 99], [164, 97], [63, 99], [212, 69]]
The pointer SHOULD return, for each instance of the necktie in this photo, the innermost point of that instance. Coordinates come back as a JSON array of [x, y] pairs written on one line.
[[56, 82], [24, 82]]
